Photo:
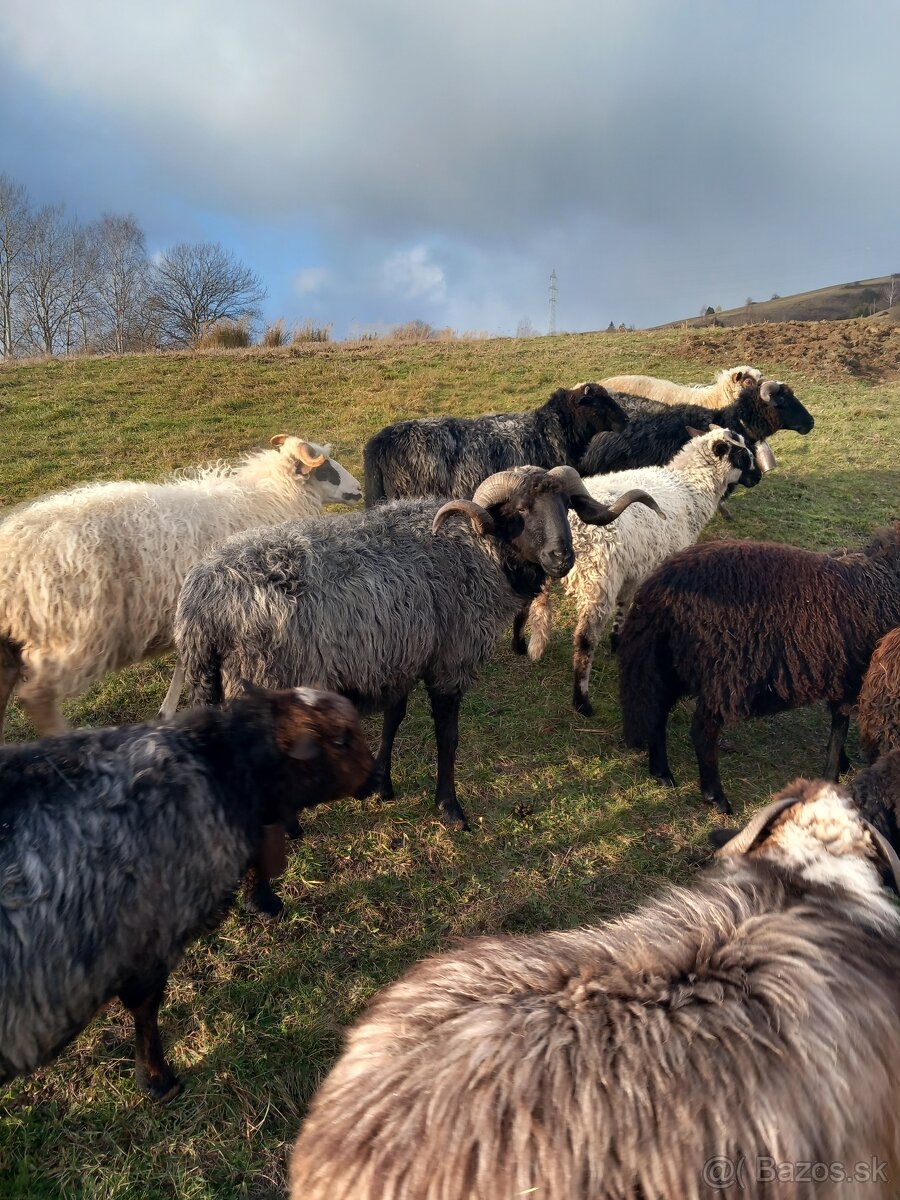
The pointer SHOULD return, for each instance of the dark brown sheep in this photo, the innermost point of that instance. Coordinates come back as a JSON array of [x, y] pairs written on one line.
[[879, 699], [750, 629], [876, 791]]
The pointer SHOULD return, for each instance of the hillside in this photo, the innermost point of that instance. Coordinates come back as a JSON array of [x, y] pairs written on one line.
[[840, 302], [566, 826]]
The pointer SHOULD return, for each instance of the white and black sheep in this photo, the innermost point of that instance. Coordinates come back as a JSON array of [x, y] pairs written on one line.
[[120, 846], [89, 578], [451, 456], [612, 562], [726, 388], [751, 1019], [372, 603], [751, 629], [656, 432]]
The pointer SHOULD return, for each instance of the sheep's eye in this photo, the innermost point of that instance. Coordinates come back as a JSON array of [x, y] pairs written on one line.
[[342, 741]]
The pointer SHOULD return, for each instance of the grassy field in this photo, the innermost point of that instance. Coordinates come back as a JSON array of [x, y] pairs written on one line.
[[836, 303], [566, 826]]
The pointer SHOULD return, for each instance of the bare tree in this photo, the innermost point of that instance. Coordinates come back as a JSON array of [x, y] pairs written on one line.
[[197, 285], [525, 329], [123, 282], [15, 240], [46, 288]]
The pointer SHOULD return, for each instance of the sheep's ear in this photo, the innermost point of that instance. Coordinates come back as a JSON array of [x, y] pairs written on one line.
[[721, 448], [304, 748], [694, 432], [738, 376], [279, 439]]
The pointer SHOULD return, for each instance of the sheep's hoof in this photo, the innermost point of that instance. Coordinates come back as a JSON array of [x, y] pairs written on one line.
[[262, 900], [453, 816], [582, 705], [666, 778], [161, 1089], [721, 803], [376, 785], [614, 639], [293, 829], [519, 644]]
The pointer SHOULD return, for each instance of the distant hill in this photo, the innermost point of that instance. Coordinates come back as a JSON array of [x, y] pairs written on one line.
[[864, 298]]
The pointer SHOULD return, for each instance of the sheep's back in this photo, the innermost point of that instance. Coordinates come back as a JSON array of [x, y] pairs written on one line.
[[92, 576], [451, 456], [114, 852], [366, 605], [598, 1063], [756, 627]]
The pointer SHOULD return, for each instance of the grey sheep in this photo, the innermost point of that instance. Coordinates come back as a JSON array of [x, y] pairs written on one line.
[[750, 1019], [369, 604], [118, 847], [451, 456]]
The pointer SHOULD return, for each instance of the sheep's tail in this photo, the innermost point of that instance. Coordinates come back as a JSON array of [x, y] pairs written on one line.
[[540, 618], [645, 685], [200, 657], [373, 477], [10, 672]]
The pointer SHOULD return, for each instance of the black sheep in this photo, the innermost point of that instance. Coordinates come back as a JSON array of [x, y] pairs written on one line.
[[120, 846], [451, 456], [656, 432], [750, 629]]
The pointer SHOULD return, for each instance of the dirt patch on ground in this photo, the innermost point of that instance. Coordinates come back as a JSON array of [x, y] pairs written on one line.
[[829, 350]]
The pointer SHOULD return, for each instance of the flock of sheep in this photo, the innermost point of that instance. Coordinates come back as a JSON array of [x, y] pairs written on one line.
[[755, 1013]]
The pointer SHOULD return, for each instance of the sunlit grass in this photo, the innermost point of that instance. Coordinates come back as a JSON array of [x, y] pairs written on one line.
[[566, 826]]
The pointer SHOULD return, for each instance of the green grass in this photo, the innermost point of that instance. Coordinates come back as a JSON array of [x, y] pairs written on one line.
[[566, 826]]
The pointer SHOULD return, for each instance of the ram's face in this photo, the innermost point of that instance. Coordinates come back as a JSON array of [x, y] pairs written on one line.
[[535, 522]]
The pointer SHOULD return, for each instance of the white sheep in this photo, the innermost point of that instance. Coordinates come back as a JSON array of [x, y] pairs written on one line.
[[727, 389], [611, 562], [89, 578]]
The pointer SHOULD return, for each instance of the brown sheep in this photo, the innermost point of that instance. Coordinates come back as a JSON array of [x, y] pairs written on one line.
[[879, 699]]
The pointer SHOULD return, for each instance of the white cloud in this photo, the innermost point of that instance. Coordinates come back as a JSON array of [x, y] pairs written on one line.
[[311, 280], [412, 275]]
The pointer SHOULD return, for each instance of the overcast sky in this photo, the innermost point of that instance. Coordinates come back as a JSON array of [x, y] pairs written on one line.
[[382, 160]]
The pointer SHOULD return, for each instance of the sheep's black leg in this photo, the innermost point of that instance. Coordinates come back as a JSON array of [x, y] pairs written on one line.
[[705, 729], [836, 760], [519, 645], [657, 750], [259, 895], [445, 710], [380, 780], [142, 997], [587, 632]]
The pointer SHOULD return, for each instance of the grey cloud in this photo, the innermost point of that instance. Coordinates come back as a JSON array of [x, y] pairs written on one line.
[[649, 151]]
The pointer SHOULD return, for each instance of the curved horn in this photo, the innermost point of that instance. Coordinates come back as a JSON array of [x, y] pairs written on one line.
[[497, 488], [593, 512], [278, 439], [482, 521], [570, 479], [753, 832], [887, 850], [308, 456]]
